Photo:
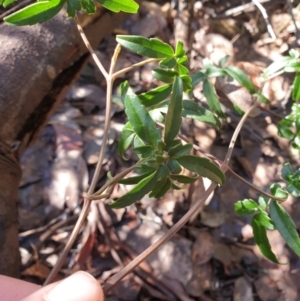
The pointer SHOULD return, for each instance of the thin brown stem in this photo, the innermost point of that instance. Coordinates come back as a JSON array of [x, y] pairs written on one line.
[[192, 211], [98, 194], [63, 255], [273, 76], [90, 48], [254, 187], [109, 91], [271, 112], [133, 264], [134, 66], [220, 162], [87, 201]]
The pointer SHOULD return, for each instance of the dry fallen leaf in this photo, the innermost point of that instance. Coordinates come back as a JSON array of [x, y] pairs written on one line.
[[242, 290], [37, 270]]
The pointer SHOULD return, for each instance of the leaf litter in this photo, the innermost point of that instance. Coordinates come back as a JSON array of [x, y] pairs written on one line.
[[214, 256]]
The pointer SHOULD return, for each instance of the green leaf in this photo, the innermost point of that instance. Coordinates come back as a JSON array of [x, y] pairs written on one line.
[[153, 48], [296, 142], [293, 190], [156, 95], [173, 118], [182, 70], [159, 186], [198, 77], [192, 110], [163, 189], [183, 179], [72, 7], [241, 77], [278, 192], [296, 108], [140, 119], [285, 226], [297, 175], [174, 166], [136, 179], [182, 60], [287, 171], [297, 123], [6, 3], [284, 130], [168, 63], [296, 88], [202, 167], [176, 187], [179, 50], [127, 6], [161, 146], [292, 66], [38, 12], [156, 115], [277, 66], [212, 98], [147, 167], [265, 220], [294, 53], [245, 207], [139, 191], [187, 82], [263, 202], [214, 71], [144, 151], [89, 6], [159, 159], [261, 239], [207, 63], [223, 61], [126, 139], [124, 86], [238, 110], [166, 76], [180, 150], [174, 143], [261, 97]]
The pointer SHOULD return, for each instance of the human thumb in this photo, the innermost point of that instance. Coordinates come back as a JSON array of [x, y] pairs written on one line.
[[80, 286]]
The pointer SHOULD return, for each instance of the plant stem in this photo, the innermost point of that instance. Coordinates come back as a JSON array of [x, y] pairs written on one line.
[[254, 187], [86, 200], [192, 211], [64, 253], [271, 112], [134, 66], [98, 194], [90, 48], [216, 160], [109, 91]]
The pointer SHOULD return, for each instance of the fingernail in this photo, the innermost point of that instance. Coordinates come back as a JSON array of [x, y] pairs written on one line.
[[80, 286]]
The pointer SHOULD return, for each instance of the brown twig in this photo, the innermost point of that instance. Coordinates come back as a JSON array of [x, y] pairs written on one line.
[[219, 162], [266, 18], [132, 67], [88, 197]]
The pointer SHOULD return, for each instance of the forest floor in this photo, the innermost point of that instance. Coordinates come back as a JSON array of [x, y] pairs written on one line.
[[214, 256]]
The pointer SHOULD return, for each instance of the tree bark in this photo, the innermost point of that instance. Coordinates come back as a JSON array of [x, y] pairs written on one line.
[[10, 174], [38, 64]]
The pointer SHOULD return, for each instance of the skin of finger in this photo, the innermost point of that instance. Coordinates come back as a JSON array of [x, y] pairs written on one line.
[[80, 286], [12, 289]]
